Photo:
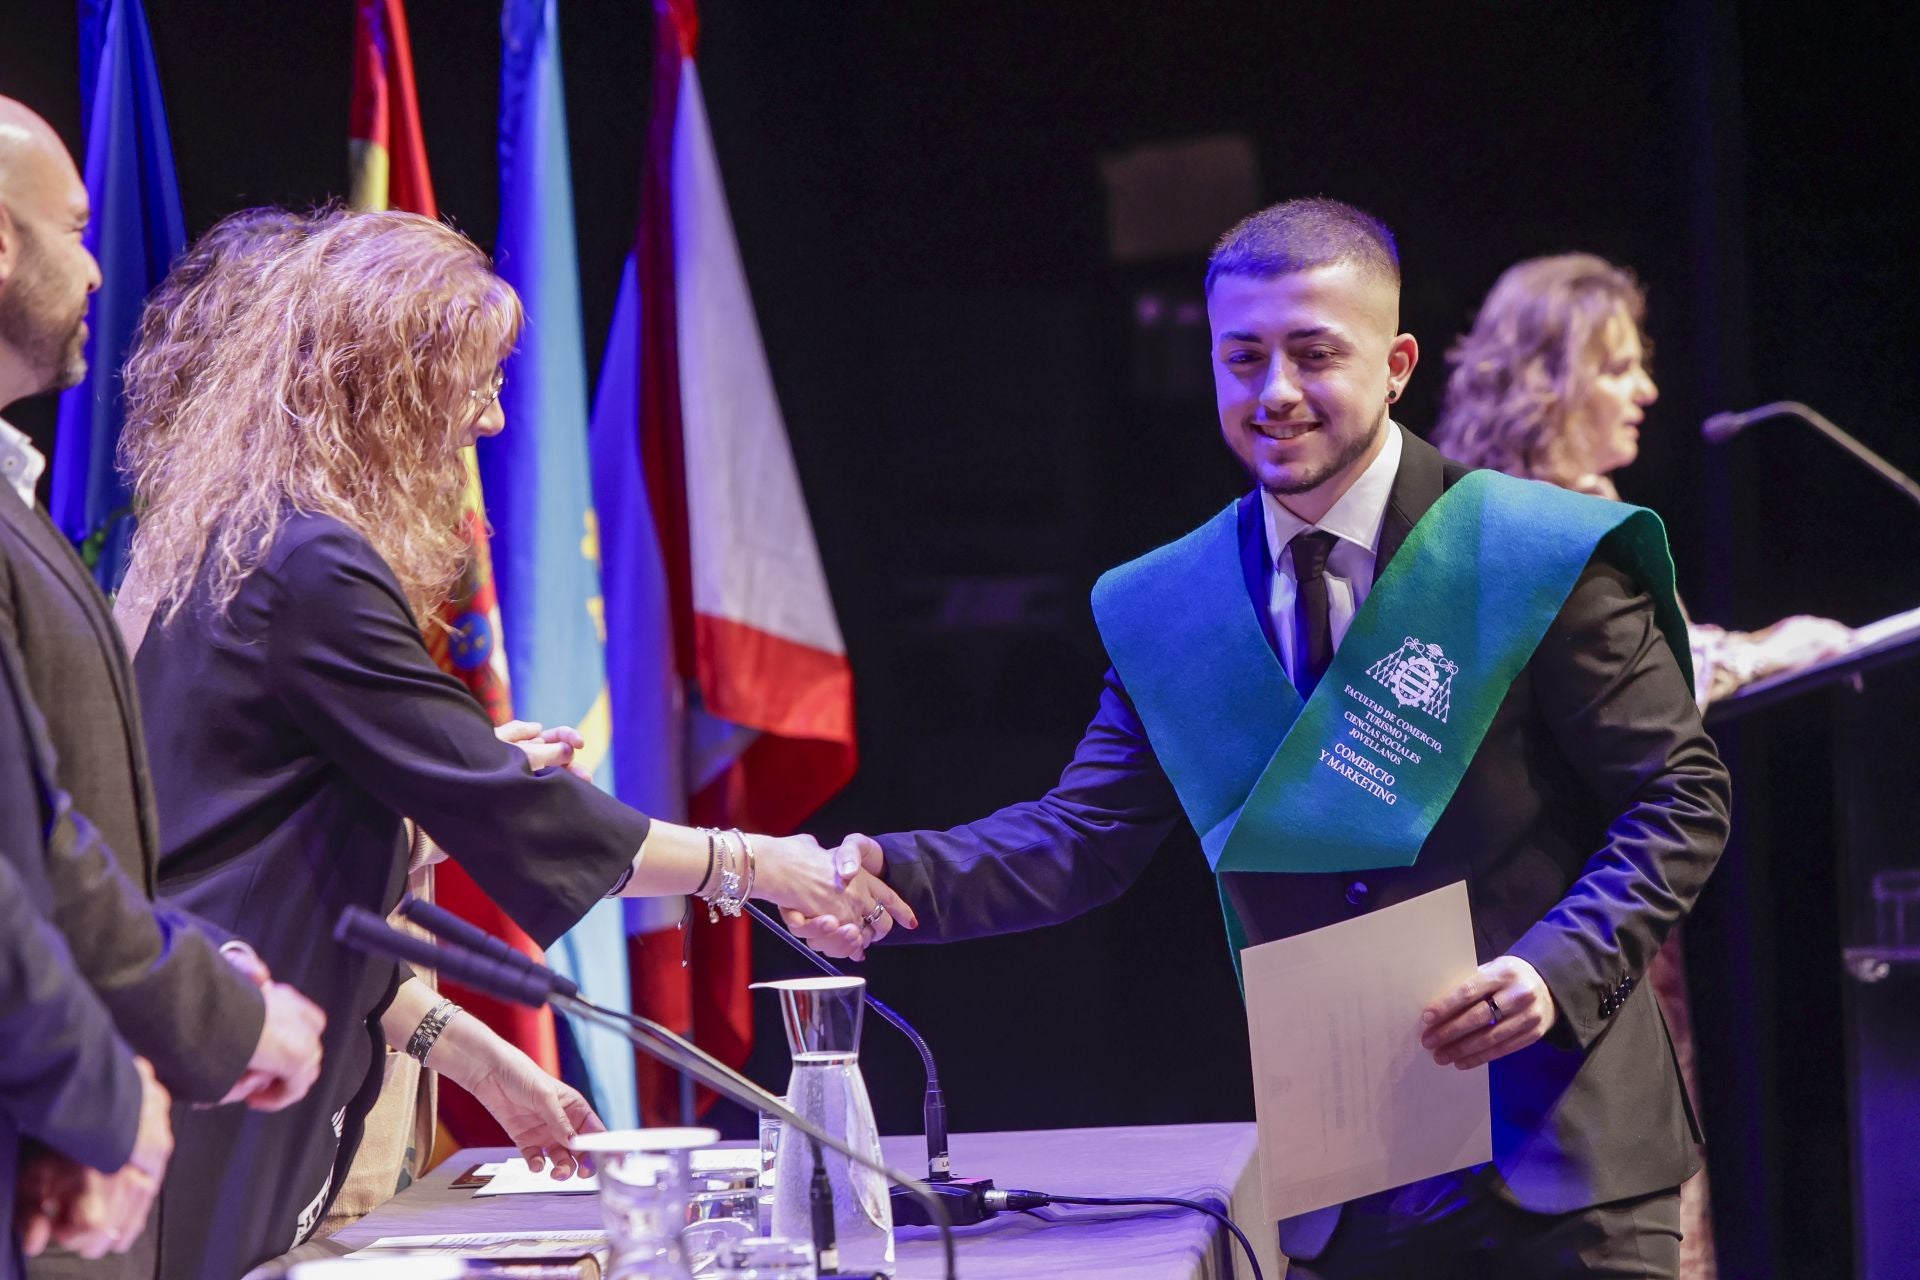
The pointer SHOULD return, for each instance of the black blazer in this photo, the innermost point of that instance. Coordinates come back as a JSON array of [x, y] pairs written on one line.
[[66, 1078], [289, 737], [1584, 829], [175, 1000]]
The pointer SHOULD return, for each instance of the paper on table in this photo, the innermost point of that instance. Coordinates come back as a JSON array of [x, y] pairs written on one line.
[[1348, 1103], [494, 1244], [513, 1178]]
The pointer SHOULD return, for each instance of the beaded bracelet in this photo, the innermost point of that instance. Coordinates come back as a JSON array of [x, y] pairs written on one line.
[[421, 1042]]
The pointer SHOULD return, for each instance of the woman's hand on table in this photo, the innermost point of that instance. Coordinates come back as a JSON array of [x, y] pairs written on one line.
[[541, 1115]]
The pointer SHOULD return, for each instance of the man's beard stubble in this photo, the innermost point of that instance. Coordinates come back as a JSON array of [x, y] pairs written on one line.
[[57, 351], [1340, 462]]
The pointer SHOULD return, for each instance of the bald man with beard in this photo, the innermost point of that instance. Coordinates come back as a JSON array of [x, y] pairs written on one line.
[[203, 1010]]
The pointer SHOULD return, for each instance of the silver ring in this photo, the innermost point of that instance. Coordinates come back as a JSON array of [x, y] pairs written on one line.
[[872, 917], [1493, 1013]]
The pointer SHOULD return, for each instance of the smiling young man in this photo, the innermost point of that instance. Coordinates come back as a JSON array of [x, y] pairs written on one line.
[[1523, 650]]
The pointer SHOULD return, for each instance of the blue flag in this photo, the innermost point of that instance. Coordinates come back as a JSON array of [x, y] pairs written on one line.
[[649, 712], [136, 232], [546, 543]]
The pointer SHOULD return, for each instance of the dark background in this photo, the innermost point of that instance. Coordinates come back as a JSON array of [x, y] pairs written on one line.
[[985, 416]]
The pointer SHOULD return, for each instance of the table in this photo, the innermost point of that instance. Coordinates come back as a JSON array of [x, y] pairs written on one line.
[[1212, 1163]]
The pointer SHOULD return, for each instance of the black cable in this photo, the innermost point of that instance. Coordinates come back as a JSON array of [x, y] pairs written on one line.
[[1034, 1199]]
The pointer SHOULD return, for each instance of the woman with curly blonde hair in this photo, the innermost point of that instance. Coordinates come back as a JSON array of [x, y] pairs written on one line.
[[301, 493], [182, 325], [1551, 383]]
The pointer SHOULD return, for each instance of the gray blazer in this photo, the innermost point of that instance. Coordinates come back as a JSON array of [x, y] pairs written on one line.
[[66, 1079], [172, 996]]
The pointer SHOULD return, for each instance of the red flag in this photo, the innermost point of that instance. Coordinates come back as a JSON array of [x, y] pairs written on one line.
[[768, 734], [389, 157]]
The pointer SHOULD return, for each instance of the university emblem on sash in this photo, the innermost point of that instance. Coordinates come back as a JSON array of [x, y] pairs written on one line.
[[1418, 675]]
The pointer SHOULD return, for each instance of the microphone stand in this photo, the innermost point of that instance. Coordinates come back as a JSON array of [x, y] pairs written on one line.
[[965, 1197], [523, 980], [1723, 426]]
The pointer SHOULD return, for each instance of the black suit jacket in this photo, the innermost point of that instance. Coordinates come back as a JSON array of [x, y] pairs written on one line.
[[66, 1078], [1584, 828], [175, 1000], [289, 736]]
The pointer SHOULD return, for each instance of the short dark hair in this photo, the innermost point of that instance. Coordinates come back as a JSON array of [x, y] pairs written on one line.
[[1299, 235]]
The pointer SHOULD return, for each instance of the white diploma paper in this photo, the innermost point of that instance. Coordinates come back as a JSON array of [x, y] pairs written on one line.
[[1348, 1102], [512, 1177]]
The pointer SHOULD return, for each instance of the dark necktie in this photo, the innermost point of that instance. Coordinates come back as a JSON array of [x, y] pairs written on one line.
[[1312, 620]]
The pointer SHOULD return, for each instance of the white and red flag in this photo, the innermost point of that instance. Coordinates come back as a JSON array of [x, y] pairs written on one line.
[[732, 695]]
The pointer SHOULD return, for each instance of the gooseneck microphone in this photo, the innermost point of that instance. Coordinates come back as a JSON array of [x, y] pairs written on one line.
[[1722, 427], [442, 923], [523, 980], [520, 983], [965, 1197]]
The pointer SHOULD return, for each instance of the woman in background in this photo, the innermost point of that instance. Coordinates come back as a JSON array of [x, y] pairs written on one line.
[[1551, 384], [301, 499]]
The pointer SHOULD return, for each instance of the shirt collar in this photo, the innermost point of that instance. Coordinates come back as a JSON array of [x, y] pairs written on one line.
[[20, 463], [1356, 517]]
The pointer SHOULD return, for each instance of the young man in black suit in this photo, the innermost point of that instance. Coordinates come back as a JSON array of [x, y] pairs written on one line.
[[1591, 813], [214, 1025]]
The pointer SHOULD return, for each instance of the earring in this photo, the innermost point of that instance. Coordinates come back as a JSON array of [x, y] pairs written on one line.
[[1392, 396]]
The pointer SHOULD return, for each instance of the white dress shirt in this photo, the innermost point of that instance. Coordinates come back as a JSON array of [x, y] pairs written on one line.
[[20, 463], [1355, 522]]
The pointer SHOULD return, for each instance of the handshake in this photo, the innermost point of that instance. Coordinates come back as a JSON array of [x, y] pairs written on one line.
[[832, 899]]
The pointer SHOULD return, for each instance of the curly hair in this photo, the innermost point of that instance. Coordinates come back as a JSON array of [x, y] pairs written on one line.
[[190, 311], [1518, 375], [322, 365]]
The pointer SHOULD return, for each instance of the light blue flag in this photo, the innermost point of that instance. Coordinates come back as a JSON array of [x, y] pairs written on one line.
[[136, 232], [546, 543]]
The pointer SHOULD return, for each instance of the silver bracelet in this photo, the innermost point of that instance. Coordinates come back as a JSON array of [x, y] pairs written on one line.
[[746, 851], [421, 1042], [734, 883]]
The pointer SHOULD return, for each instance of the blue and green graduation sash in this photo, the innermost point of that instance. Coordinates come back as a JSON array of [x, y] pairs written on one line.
[[1356, 776]]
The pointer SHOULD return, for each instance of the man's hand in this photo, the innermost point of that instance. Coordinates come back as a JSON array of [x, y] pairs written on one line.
[[286, 1061], [545, 748], [1462, 1028], [540, 1114], [92, 1213], [859, 862]]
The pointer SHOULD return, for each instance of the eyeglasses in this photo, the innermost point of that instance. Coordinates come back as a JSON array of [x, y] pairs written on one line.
[[484, 396]]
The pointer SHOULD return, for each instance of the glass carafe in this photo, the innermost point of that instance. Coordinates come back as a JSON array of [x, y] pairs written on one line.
[[822, 1018]]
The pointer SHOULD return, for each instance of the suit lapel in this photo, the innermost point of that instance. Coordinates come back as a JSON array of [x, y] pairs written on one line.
[[1256, 566], [66, 567], [62, 564], [1416, 487]]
